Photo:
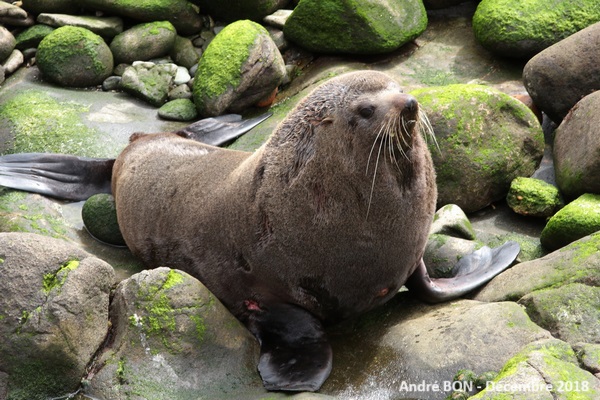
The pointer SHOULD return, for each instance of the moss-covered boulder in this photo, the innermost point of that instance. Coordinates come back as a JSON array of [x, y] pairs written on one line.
[[99, 216], [577, 219], [547, 369], [240, 67], [571, 312], [149, 82], [51, 6], [181, 13], [579, 262], [561, 75], [7, 43], [31, 37], [74, 57], [144, 42], [355, 27], [233, 10], [577, 149], [179, 110], [485, 139], [533, 197], [54, 314], [522, 29], [174, 340]]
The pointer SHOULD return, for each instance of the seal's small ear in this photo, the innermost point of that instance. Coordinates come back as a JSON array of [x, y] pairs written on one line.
[[294, 352]]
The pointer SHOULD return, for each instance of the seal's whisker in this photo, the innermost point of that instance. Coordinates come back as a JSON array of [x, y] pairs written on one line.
[[381, 129], [426, 128], [374, 177]]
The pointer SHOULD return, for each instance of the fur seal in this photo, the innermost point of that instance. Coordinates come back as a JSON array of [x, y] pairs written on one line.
[[327, 220]]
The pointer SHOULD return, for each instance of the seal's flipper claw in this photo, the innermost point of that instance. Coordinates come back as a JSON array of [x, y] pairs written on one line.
[[295, 354], [58, 175], [217, 131], [472, 271]]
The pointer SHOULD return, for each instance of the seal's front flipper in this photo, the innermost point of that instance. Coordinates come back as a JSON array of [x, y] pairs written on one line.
[[217, 131], [472, 271], [58, 175], [295, 354]]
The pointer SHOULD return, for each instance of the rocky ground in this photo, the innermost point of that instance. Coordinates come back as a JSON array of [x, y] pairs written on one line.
[[83, 318]]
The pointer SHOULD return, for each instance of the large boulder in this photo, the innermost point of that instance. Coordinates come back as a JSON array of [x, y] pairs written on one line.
[[174, 340], [233, 10], [181, 13], [241, 67], [51, 6], [485, 139], [577, 149], [564, 73], [54, 313], [355, 27], [143, 42], [522, 29], [74, 57], [7, 43]]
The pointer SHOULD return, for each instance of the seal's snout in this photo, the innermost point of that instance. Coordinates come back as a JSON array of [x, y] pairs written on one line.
[[411, 105]]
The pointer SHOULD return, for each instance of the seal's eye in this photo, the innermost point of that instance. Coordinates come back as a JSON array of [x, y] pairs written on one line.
[[366, 111]]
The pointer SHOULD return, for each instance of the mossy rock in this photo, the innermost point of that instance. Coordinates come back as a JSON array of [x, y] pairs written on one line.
[[355, 27], [233, 10], [178, 110], [533, 197], [53, 6], [485, 139], [577, 219], [522, 29], [31, 37], [74, 57], [184, 53], [99, 216], [144, 42], [240, 67]]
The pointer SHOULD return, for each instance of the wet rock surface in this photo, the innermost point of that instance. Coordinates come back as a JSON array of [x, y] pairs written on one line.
[[170, 338]]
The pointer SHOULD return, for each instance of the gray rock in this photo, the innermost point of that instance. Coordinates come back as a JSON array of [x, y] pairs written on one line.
[[31, 37], [579, 218], [51, 6], [278, 18], [589, 356], [74, 57], [451, 220], [111, 83], [576, 149], [561, 75], [182, 76], [54, 312], [18, 22], [241, 67], [180, 13], [149, 82], [13, 62], [233, 10], [180, 92], [7, 43], [485, 139], [184, 53], [144, 42], [539, 372], [524, 29], [174, 340], [355, 27], [107, 27], [570, 312], [442, 252], [2, 74], [8, 10], [178, 110], [410, 342], [578, 262]]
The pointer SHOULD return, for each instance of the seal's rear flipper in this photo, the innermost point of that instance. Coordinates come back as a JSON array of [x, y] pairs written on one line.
[[217, 131], [471, 271], [57, 175], [294, 352]]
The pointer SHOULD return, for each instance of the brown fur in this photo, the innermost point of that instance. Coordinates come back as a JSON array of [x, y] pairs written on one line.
[[305, 219]]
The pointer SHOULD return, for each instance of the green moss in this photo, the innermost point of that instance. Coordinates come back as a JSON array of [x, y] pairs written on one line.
[[537, 24], [576, 220], [55, 280], [42, 124], [31, 37], [219, 68], [99, 215], [534, 197]]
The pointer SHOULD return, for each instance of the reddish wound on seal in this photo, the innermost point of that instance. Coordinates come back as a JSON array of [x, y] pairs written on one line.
[[252, 305], [383, 292]]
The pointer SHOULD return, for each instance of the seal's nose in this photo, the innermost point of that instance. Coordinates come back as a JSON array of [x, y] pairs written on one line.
[[411, 104]]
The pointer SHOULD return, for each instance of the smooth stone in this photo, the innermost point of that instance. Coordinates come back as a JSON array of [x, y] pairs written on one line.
[[107, 27], [143, 42], [14, 61], [178, 110], [7, 43], [182, 76], [278, 18]]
